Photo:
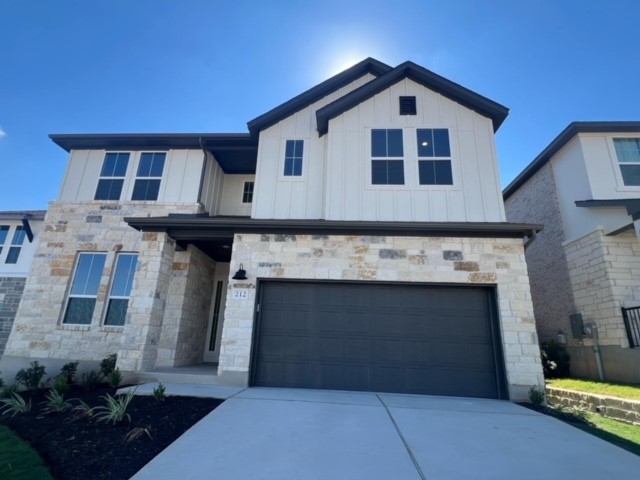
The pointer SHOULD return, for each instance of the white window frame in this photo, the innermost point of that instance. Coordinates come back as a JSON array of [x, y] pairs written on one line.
[[116, 297], [621, 187], [371, 158], [123, 178], [12, 245], [419, 159], [160, 178], [69, 295], [3, 244]]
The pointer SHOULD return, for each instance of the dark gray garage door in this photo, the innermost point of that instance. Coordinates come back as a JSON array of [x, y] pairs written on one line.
[[437, 340]]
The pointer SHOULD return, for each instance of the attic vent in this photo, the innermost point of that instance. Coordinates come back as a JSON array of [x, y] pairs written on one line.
[[408, 106]]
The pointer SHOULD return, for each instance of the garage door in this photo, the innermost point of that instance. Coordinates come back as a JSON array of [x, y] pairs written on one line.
[[436, 340]]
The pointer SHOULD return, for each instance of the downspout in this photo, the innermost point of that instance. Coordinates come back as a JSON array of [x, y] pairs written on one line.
[[596, 350], [204, 168]]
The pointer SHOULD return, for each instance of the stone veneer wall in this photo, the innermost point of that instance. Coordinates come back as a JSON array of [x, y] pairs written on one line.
[[185, 321], [482, 261], [536, 202], [11, 289], [605, 276], [68, 229]]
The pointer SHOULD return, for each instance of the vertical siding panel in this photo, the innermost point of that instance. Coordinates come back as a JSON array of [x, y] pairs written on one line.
[[421, 206], [438, 205], [191, 177], [471, 174], [404, 209], [386, 207], [70, 191], [297, 208], [487, 168], [89, 181]]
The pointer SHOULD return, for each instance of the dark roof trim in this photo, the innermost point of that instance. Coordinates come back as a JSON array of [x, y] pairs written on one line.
[[140, 141], [200, 227], [631, 204], [368, 65], [484, 106], [37, 215], [561, 140]]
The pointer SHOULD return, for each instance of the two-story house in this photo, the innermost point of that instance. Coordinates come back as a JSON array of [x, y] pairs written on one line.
[[19, 232], [354, 239], [585, 265]]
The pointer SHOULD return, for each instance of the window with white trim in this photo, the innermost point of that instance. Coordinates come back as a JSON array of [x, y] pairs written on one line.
[[387, 157], [148, 176], [114, 169], [16, 245], [247, 193], [82, 296], [628, 153], [434, 156], [120, 290], [4, 231], [293, 158]]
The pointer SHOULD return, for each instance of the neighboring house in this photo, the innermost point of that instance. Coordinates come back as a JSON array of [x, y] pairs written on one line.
[[585, 266], [19, 232], [354, 239]]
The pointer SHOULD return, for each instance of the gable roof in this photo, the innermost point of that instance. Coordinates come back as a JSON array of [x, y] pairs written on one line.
[[368, 65], [484, 106], [560, 141]]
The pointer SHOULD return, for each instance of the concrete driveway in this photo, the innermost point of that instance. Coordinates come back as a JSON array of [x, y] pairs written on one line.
[[284, 434]]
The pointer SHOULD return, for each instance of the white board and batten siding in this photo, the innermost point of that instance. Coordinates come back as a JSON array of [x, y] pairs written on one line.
[[222, 193], [180, 177], [277, 196], [336, 178], [587, 168]]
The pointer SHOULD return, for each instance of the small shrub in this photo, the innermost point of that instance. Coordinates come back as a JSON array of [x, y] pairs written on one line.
[[7, 390], [61, 384], [68, 371], [108, 364], [159, 392], [14, 405], [536, 395], [115, 411], [555, 360], [115, 378], [56, 403], [31, 377], [81, 411], [136, 433], [91, 379]]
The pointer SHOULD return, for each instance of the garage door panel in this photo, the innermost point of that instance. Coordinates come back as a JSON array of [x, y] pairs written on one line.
[[377, 337]]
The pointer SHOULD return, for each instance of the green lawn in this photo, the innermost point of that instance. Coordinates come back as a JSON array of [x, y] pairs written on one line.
[[18, 461], [621, 391], [618, 433]]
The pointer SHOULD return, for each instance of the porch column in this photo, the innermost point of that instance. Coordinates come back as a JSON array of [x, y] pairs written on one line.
[[147, 303]]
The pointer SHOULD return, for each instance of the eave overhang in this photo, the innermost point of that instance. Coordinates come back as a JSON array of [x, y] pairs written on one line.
[[198, 227], [482, 105], [632, 205]]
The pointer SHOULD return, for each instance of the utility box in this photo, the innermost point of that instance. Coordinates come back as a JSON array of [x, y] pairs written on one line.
[[577, 325]]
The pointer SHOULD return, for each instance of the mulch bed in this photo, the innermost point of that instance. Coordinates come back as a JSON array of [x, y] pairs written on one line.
[[83, 449]]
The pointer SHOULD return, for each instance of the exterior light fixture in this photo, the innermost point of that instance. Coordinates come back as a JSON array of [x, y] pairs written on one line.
[[241, 274], [562, 337]]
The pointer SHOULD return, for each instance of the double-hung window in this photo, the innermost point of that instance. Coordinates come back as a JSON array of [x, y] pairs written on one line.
[[247, 193], [4, 231], [387, 157], [114, 169], [121, 289], [148, 177], [628, 153], [84, 288], [434, 156], [293, 158], [16, 245]]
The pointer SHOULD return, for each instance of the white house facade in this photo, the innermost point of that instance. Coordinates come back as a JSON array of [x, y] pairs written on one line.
[[585, 188], [354, 239]]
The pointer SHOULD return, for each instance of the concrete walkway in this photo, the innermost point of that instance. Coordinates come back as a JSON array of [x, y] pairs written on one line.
[[287, 434]]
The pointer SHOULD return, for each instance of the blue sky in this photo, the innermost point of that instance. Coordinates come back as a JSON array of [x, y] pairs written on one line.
[[126, 66]]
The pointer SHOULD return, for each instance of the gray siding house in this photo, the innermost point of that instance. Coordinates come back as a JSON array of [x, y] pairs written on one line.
[[355, 238], [584, 267]]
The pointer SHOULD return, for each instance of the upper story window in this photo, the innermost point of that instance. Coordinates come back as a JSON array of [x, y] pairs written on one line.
[[16, 245], [121, 289], [628, 153], [84, 289], [434, 156], [293, 158], [4, 231], [114, 169], [387, 157], [148, 177], [247, 193]]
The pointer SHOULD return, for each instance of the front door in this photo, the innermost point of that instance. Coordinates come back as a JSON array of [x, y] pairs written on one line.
[[216, 314]]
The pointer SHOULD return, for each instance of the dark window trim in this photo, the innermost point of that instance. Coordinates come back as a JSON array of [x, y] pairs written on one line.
[[247, 192]]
